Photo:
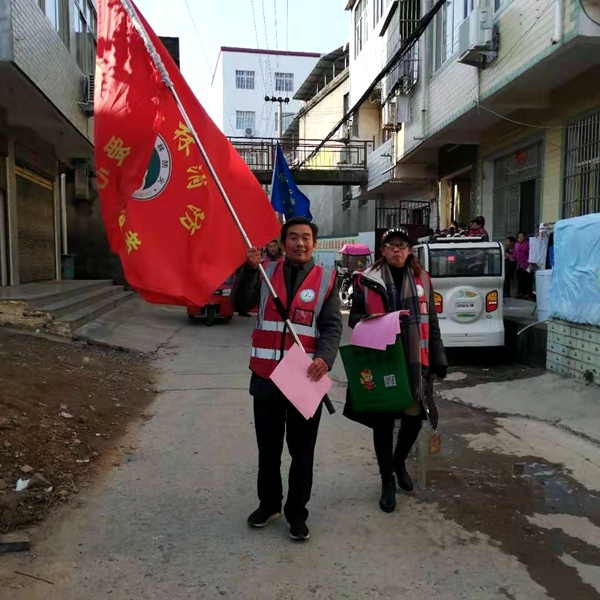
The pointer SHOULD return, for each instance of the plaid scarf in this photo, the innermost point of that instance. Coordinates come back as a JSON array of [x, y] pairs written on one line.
[[407, 299]]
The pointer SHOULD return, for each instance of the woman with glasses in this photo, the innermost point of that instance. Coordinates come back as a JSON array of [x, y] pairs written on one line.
[[396, 282]]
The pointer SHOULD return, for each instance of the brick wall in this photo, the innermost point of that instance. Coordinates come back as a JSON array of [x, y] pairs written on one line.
[[526, 28], [574, 350], [40, 53], [452, 90]]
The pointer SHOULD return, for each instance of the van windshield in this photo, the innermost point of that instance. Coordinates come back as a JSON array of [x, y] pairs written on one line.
[[465, 262]]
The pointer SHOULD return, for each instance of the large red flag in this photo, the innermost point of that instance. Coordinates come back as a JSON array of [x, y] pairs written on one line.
[[162, 210]]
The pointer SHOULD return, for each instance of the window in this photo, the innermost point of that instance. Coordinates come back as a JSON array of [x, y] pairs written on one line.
[[284, 82], [245, 119], [244, 80], [85, 24], [447, 26], [361, 25], [379, 7], [57, 12], [582, 168], [465, 262]]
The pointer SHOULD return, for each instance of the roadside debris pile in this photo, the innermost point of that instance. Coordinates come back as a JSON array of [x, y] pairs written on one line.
[[63, 411]]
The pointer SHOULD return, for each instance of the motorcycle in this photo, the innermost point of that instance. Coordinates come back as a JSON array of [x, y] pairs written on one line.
[[355, 257], [345, 287]]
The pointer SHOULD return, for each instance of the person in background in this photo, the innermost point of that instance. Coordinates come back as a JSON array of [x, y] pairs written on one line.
[[478, 228], [397, 282], [510, 262], [524, 273], [311, 299], [453, 230], [273, 253]]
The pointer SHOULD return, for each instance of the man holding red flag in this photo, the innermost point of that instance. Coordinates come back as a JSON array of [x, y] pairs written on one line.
[[163, 209]]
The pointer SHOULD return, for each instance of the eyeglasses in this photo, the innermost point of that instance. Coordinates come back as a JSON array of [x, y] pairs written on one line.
[[400, 246]]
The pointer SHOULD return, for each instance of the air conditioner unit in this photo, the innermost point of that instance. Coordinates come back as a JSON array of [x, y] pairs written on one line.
[[249, 132], [87, 100], [389, 115], [476, 41]]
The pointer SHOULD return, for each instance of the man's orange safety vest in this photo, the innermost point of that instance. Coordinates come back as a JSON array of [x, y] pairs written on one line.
[[270, 337]]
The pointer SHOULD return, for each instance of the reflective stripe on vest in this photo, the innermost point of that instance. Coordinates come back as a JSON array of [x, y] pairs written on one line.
[[304, 310], [265, 354]]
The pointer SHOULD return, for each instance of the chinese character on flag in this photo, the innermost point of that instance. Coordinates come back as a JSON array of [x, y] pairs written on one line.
[[162, 210]]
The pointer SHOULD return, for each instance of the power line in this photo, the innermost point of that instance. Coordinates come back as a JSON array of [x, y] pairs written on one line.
[[268, 60], [258, 46], [210, 69], [406, 46], [519, 122], [276, 33], [587, 14], [519, 41]]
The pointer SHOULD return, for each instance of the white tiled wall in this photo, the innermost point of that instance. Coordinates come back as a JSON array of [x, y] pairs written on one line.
[[574, 350]]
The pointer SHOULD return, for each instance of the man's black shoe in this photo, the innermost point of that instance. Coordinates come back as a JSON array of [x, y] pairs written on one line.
[[404, 479], [261, 517], [387, 503], [299, 532], [244, 314]]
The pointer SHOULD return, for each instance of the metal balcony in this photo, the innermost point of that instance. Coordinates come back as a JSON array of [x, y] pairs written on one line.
[[338, 162]]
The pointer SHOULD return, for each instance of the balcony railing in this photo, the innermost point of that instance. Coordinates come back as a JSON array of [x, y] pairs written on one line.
[[413, 212], [259, 153]]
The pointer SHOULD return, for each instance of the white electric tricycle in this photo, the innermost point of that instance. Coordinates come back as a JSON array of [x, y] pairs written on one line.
[[467, 276]]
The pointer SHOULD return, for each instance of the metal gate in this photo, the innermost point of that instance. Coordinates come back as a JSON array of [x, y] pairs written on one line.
[[35, 225], [582, 168], [509, 173]]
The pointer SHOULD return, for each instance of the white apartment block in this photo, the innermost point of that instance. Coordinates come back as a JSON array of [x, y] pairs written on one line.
[[242, 79]]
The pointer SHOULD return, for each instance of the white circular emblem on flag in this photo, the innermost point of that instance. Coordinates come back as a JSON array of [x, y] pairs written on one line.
[[158, 173], [307, 295], [420, 290]]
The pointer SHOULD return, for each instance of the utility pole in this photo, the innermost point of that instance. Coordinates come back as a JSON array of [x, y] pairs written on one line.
[[281, 102]]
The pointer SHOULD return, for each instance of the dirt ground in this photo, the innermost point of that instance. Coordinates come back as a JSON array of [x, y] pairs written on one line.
[[64, 408]]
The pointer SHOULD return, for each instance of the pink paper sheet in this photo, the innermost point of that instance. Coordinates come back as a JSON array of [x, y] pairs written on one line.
[[377, 333], [293, 382]]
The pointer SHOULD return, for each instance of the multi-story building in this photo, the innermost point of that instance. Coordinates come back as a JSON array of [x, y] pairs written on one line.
[[494, 111], [326, 99], [244, 77], [47, 55]]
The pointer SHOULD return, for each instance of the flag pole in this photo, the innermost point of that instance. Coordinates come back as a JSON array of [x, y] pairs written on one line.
[[130, 10]]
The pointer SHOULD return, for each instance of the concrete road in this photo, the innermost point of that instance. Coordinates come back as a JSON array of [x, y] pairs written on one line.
[[508, 510]]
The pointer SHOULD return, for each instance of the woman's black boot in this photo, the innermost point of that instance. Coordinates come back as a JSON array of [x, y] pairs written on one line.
[[387, 503], [407, 436]]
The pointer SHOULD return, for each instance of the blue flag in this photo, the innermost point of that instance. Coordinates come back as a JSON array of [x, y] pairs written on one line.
[[286, 198]]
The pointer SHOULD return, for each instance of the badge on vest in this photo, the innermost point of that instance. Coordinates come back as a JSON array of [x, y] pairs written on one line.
[[307, 295], [420, 290]]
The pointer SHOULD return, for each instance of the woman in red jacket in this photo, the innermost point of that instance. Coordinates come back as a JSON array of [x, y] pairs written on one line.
[[397, 282]]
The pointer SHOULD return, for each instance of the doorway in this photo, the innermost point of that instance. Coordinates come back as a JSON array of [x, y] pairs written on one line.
[[35, 225], [527, 206], [516, 194]]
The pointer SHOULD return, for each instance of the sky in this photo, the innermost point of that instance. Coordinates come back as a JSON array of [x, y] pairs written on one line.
[[203, 26]]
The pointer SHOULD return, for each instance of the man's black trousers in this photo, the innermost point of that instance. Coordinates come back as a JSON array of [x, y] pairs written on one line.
[[274, 418]]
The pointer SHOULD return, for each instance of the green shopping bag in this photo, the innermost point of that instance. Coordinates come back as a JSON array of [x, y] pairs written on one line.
[[377, 379]]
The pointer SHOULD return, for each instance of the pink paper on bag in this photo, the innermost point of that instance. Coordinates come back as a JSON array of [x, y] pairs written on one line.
[[290, 376], [377, 333]]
